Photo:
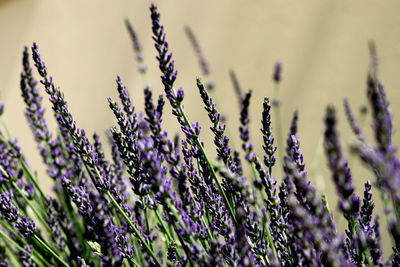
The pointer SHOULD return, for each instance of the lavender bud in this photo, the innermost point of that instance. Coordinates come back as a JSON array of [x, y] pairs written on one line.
[[26, 226], [277, 76]]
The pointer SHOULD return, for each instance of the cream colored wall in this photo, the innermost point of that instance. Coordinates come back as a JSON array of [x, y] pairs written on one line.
[[322, 44]]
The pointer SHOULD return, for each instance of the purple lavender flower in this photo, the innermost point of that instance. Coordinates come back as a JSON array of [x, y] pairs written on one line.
[[350, 203], [54, 224], [34, 111], [137, 47], [246, 258], [383, 125], [294, 123], [153, 115], [370, 228], [352, 120], [166, 65], [8, 163], [220, 140], [80, 143], [94, 209], [247, 146], [26, 256], [122, 240], [200, 221], [128, 108], [269, 148], [236, 86], [171, 251], [277, 76], [7, 209], [26, 226], [396, 258], [307, 198], [312, 242], [205, 68], [3, 256]]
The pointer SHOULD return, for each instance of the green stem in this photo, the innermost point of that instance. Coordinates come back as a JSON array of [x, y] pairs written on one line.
[[210, 235], [179, 219], [14, 184], [5, 127], [227, 203], [167, 233], [227, 129], [315, 164], [278, 120], [51, 251], [134, 262], [269, 237], [147, 224], [38, 215], [214, 175], [186, 250], [25, 168], [15, 244], [355, 229], [115, 203]]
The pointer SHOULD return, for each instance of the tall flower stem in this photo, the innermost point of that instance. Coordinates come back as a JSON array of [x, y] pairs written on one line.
[[38, 215], [121, 211], [315, 164], [115, 203], [227, 129], [50, 250], [165, 230], [209, 164], [15, 244], [25, 168], [5, 127], [176, 215], [168, 78], [29, 202], [277, 109], [11, 231]]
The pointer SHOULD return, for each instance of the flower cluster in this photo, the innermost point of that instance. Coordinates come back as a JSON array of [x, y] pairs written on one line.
[[162, 201]]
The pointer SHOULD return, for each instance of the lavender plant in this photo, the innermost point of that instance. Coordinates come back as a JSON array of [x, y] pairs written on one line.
[[158, 201]]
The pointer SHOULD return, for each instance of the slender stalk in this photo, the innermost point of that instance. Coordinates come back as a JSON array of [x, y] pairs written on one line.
[[12, 232], [38, 215], [115, 203], [167, 233], [16, 187], [5, 127], [277, 110], [148, 248], [227, 203], [176, 215], [227, 129], [315, 164], [138, 252], [203, 152], [134, 262], [15, 244], [269, 237], [25, 168], [50, 250], [147, 225]]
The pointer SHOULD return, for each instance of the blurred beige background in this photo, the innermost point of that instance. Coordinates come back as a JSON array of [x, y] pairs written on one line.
[[322, 44]]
